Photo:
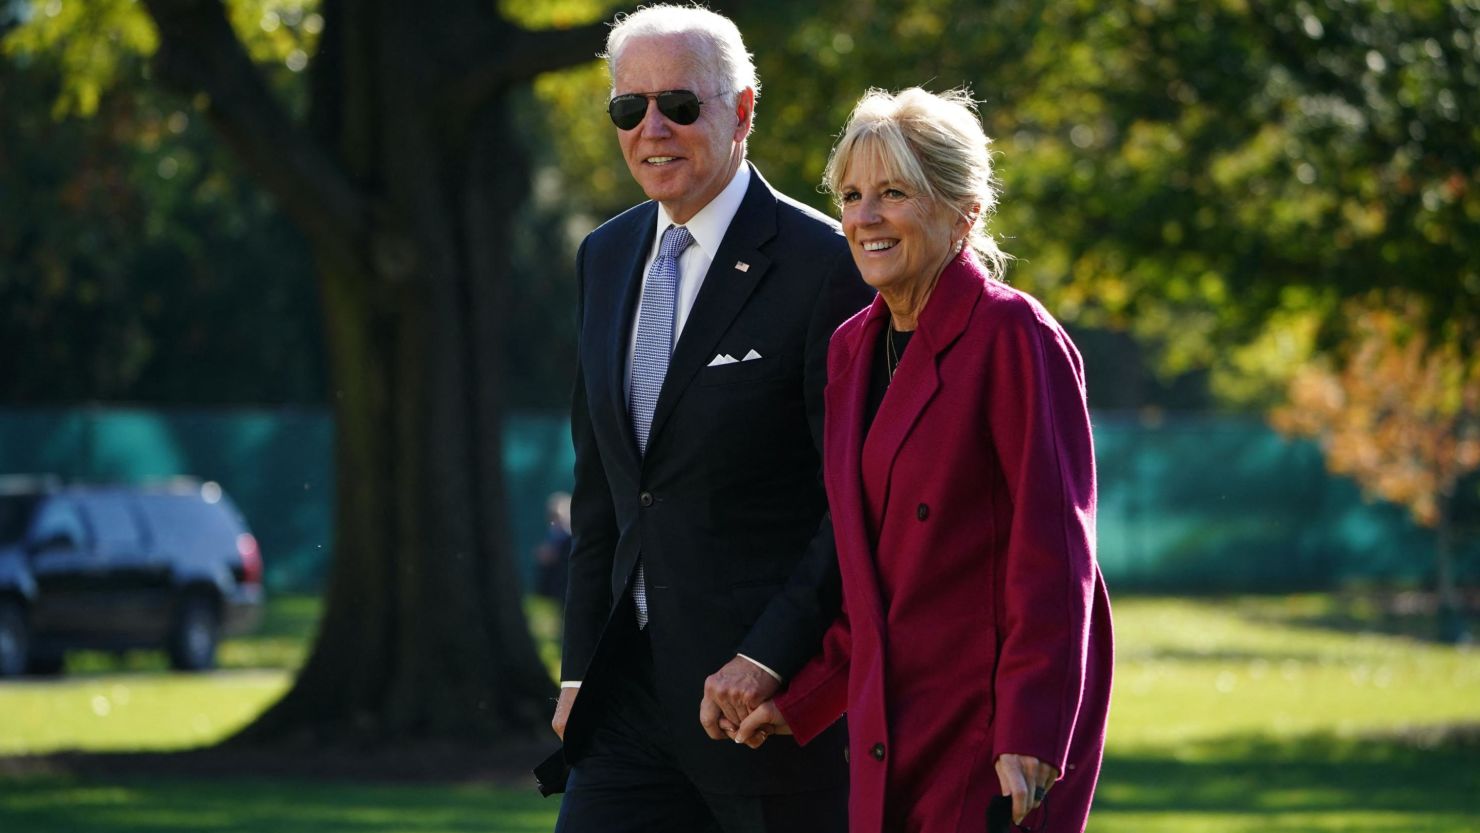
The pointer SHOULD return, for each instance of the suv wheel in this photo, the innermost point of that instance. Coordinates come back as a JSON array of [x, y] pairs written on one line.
[[192, 642], [14, 639]]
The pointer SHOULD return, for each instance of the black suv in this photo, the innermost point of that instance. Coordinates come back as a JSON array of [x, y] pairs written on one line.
[[119, 567]]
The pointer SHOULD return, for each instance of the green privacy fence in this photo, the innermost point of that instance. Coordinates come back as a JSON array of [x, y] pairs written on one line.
[[1190, 502], [1224, 503]]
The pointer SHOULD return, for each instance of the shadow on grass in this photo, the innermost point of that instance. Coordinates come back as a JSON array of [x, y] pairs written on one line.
[[413, 788], [295, 616], [1426, 772], [1221, 655], [51, 804], [1406, 613]]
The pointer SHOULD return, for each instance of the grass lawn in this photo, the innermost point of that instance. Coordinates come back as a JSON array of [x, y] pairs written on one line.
[[109, 703], [1248, 714]]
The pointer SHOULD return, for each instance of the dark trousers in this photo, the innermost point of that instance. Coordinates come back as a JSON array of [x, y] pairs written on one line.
[[628, 781]]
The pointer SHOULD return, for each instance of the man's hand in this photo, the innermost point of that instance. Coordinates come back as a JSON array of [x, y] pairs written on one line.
[[732, 693], [562, 710], [765, 721], [1027, 780]]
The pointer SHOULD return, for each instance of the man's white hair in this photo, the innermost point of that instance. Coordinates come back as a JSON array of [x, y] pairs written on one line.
[[723, 59]]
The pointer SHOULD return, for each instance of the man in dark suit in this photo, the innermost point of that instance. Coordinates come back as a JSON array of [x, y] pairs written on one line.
[[702, 570]]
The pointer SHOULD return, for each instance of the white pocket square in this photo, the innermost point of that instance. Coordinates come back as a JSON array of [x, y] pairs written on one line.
[[723, 358], [751, 356]]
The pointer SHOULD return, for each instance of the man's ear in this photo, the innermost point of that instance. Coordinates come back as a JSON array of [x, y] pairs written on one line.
[[744, 111]]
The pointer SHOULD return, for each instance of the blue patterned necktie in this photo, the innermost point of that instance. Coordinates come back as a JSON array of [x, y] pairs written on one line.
[[650, 358]]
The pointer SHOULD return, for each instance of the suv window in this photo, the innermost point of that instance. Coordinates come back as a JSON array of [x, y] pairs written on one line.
[[183, 521], [15, 515], [59, 517], [113, 521]]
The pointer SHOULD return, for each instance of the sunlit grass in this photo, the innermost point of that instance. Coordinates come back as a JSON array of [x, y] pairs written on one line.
[[1189, 671], [131, 711], [108, 703]]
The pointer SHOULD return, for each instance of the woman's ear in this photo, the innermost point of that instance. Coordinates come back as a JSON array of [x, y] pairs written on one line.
[[966, 221]]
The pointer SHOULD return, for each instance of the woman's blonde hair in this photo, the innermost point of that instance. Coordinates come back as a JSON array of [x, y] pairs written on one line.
[[932, 142]]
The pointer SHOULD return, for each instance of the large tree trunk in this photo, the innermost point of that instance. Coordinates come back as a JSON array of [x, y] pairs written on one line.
[[406, 186]]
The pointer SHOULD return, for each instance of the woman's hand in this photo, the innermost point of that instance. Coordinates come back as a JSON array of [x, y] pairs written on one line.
[[764, 721], [1027, 780]]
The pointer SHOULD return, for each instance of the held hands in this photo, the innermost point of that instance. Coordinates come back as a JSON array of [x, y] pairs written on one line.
[[1027, 780], [764, 721], [731, 693]]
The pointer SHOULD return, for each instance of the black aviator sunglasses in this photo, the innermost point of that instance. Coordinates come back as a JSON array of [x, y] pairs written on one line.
[[678, 106]]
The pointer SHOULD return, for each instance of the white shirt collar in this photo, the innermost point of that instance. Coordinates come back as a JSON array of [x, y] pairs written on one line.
[[708, 227]]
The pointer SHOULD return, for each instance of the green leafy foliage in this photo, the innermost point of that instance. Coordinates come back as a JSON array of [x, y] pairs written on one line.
[[97, 44], [136, 262], [1212, 177], [93, 43]]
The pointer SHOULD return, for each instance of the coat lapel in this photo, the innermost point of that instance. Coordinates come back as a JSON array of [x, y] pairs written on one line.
[[723, 294], [629, 272], [845, 398], [918, 376]]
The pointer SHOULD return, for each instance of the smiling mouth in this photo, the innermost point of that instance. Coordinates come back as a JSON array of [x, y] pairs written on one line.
[[660, 160], [879, 245]]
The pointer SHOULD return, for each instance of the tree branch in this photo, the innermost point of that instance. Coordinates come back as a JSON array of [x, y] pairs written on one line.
[[199, 53], [525, 54]]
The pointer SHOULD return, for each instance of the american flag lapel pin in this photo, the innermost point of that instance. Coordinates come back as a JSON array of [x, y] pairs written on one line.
[[742, 266]]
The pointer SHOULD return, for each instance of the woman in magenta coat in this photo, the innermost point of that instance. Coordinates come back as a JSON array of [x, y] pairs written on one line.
[[974, 655]]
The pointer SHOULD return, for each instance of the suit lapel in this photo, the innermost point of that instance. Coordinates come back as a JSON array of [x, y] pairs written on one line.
[[917, 378], [722, 295], [845, 398], [629, 284]]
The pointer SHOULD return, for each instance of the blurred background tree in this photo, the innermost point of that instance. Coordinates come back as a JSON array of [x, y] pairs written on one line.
[[137, 262], [398, 159], [1397, 409], [1200, 190]]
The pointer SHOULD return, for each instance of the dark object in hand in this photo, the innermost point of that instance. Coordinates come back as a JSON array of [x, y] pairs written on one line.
[[550, 775], [999, 814]]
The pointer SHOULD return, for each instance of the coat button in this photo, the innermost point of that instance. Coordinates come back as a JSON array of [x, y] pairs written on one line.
[[877, 751], [922, 511], [645, 499]]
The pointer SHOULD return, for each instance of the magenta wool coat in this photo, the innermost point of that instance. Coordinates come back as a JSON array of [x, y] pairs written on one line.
[[976, 621]]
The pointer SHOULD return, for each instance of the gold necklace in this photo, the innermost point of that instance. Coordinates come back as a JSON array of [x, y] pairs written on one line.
[[891, 355]]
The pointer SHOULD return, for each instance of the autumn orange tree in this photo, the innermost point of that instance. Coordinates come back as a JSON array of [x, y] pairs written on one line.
[[1397, 409]]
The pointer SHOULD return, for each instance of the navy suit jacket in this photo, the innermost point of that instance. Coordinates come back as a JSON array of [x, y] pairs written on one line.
[[727, 507]]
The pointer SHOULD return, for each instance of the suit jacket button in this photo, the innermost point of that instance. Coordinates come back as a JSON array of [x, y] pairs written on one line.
[[922, 511], [877, 751], [646, 498]]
